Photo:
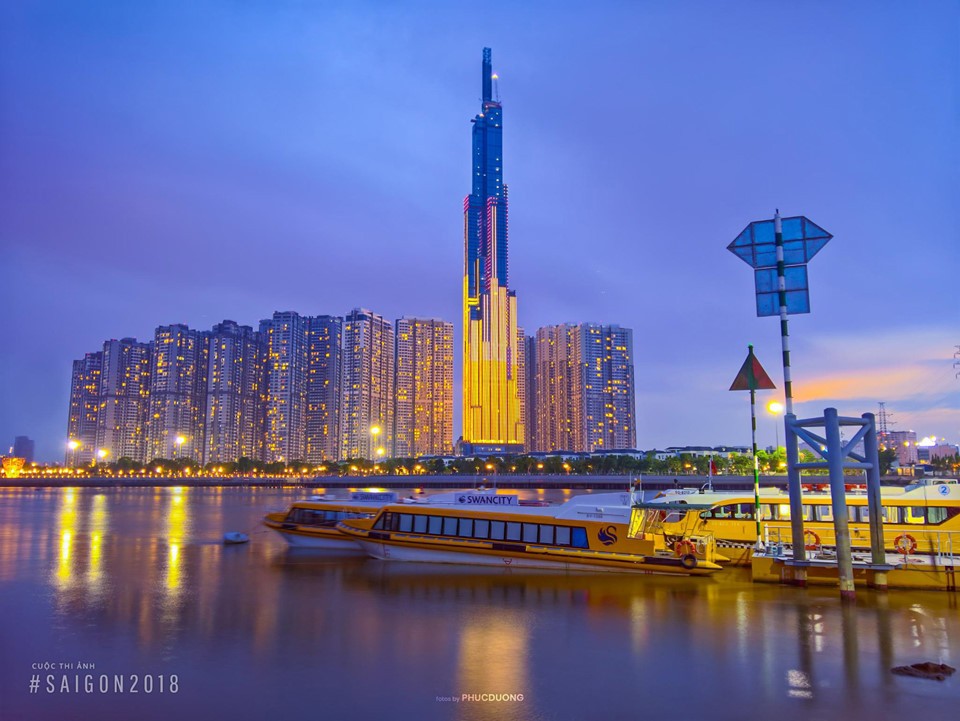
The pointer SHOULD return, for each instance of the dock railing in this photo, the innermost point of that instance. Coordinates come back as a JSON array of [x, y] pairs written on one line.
[[942, 545]]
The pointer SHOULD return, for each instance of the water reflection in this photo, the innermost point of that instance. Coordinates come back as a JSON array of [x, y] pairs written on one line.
[[146, 565]]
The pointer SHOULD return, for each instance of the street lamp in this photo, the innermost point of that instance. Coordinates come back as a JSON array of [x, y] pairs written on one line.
[[375, 432], [775, 409], [179, 441], [73, 445]]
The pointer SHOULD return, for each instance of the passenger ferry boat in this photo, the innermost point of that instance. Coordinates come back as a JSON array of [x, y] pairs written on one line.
[[921, 519], [587, 533], [312, 522]]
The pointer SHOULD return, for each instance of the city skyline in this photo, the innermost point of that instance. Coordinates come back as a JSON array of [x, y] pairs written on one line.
[[667, 173]]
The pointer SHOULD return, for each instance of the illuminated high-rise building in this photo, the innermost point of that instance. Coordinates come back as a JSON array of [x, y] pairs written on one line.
[[234, 412], [423, 415], [178, 381], [559, 386], [124, 399], [285, 386], [492, 414], [609, 400], [530, 393], [84, 410], [324, 337], [584, 392], [366, 386]]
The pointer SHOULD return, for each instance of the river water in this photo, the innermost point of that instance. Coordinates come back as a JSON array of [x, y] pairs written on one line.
[[132, 586]]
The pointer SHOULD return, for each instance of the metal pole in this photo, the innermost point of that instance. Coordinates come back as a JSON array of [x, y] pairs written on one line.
[[796, 499], [871, 453], [782, 297], [839, 499], [758, 546]]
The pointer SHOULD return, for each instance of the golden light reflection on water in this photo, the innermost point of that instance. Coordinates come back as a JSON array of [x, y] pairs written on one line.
[[176, 530], [493, 658], [66, 526], [97, 528]]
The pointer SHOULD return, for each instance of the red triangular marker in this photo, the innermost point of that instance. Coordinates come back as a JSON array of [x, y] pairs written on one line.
[[752, 376]]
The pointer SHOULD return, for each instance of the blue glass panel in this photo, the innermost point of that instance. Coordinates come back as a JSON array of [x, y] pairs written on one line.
[[815, 246], [763, 232], [766, 280], [743, 239], [766, 257], [795, 277], [793, 252], [792, 228], [746, 253], [767, 304], [812, 230], [798, 301]]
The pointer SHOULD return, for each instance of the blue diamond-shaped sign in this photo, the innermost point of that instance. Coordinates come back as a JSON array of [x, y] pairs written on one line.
[[802, 239]]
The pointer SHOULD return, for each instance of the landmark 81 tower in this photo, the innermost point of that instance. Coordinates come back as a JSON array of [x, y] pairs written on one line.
[[493, 344]]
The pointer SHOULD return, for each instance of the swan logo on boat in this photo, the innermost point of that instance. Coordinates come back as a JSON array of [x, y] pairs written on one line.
[[477, 499], [943, 490], [607, 536]]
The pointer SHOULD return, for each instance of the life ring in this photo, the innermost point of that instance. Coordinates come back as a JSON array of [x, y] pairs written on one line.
[[812, 545], [905, 544], [684, 548], [688, 561]]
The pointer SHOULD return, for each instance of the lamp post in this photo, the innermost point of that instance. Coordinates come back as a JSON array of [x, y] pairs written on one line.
[[375, 431], [178, 448], [74, 446], [775, 409]]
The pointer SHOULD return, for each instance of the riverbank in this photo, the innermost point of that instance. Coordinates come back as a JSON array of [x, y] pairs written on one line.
[[507, 481]]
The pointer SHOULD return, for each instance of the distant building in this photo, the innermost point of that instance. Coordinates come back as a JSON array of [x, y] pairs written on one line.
[[324, 342], [23, 447], [929, 453], [530, 393], [584, 388], [175, 427], [84, 410], [904, 443], [234, 409], [285, 389], [423, 414], [124, 400], [366, 386]]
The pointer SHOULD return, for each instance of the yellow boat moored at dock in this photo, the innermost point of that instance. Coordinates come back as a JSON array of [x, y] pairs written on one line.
[[587, 533]]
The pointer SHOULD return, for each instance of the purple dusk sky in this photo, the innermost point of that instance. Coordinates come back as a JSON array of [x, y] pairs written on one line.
[[167, 162]]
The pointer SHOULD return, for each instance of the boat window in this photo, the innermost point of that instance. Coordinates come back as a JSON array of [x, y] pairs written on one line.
[[406, 522], [530, 533], [466, 528], [913, 515], [580, 538], [481, 528], [513, 531], [383, 522], [807, 512], [723, 511], [563, 535], [419, 523], [497, 530], [824, 512], [783, 512], [891, 514], [449, 526], [546, 534], [860, 513], [743, 511], [936, 514], [766, 512], [436, 525]]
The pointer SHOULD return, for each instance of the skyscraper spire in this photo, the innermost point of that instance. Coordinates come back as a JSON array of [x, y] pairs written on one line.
[[487, 75]]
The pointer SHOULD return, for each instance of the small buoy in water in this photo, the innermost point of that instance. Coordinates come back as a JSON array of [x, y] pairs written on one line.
[[235, 537]]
